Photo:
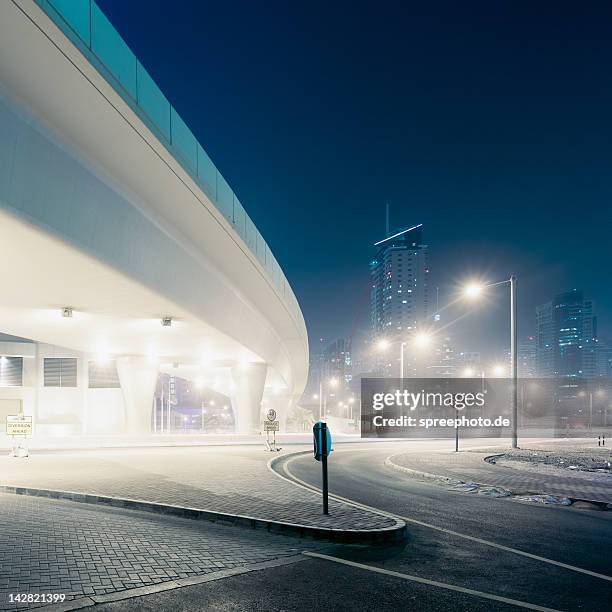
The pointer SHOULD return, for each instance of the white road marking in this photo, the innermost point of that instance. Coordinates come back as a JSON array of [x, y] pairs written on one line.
[[435, 583], [292, 478]]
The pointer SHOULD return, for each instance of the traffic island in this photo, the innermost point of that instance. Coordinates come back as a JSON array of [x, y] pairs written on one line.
[[481, 472]]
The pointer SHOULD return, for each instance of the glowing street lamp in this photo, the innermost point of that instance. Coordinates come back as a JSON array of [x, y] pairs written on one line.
[[473, 291], [382, 345], [422, 339], [332, 382], [499, 370], [419, 340]]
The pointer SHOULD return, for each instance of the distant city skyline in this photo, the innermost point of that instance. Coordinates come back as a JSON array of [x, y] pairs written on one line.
[[566, 344]]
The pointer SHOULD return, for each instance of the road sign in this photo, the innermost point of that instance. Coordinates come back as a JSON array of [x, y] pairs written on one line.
[[322, 448], [319, 450], [19, 425], [271, 425], [271, 415]]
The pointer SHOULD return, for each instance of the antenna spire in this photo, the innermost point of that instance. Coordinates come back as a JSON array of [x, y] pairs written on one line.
[[387, 220]]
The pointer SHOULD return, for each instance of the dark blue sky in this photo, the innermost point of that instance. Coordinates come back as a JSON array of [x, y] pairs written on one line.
[[489, 122]]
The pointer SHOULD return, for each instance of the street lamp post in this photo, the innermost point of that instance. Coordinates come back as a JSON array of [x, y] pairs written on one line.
[[320, 398], [473, 291], [599, 393], [420, 340], [323, 401], [514, 360], [456, 430]]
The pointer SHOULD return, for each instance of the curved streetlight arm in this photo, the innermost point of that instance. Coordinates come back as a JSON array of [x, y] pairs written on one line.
[[502, 282]]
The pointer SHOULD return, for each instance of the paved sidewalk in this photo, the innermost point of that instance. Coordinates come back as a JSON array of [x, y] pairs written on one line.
[[232, 480], [470, 466], [79, 550]]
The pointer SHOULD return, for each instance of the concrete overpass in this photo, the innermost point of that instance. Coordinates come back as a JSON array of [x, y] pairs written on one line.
[[111, 208]]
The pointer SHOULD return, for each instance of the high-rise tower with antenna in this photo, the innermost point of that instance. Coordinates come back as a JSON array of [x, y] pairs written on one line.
[[399, 291]]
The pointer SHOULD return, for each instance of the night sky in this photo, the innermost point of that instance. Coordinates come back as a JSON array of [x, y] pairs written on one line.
[[488, 122]]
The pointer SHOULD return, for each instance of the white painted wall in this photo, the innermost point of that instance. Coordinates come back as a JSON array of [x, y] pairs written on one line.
[[12, 399], [59, 406], [60, 411]]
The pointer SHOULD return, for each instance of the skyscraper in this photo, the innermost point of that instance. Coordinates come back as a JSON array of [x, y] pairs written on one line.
[[442, 364], [399, 294], [566, 337], [604, 359], [527, 358], [336, 362]]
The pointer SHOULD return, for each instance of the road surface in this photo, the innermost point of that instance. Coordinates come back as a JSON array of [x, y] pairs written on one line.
[[464, 552], [580, 538]]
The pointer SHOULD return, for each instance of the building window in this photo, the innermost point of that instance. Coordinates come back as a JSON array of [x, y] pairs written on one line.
[[60, 372], [103, 375], [11, 371]]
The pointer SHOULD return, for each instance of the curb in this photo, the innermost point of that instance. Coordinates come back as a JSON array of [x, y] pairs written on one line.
[[389, 535], [455, 481], [78, 603], [424, 475], [395, 533]]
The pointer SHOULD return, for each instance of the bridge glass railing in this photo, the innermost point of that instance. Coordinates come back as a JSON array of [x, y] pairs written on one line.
[[89, 29]]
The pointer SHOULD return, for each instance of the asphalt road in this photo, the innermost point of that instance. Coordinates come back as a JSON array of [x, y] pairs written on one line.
[[421, 574], [437, 569], [581, 538], [309, 586]]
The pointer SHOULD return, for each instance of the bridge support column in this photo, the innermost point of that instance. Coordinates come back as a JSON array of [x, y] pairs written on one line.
[[138, 377], [249, 386]]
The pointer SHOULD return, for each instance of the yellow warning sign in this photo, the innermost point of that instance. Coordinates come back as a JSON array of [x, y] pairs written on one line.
[[19, 425]]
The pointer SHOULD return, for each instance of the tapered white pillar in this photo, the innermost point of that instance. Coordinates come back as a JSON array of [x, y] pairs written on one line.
[[138, 377], [249, 383]]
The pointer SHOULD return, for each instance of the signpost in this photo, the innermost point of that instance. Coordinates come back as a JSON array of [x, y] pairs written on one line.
[[19, 425], [322, 448], [271, 425]]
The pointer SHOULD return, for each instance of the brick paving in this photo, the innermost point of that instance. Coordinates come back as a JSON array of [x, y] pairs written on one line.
[[232, 480], [470, 466], [55, 546]]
